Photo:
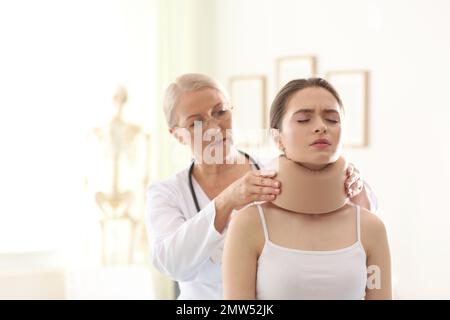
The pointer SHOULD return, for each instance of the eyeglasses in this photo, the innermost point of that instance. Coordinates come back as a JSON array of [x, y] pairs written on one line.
[[220, 115]]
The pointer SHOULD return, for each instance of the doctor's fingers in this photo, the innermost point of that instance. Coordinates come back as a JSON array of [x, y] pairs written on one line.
[[353, 178], [259, 180], [350, 169], [264, 173], [355, 188], [263, 190]]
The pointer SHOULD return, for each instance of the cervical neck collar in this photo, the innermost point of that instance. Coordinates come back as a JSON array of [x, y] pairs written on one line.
[[312, 192]]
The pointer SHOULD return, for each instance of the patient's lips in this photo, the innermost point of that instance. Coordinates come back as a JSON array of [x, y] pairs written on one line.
[[320, 144]]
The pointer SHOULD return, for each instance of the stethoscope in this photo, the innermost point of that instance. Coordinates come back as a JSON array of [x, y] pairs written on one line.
[[191, 187]]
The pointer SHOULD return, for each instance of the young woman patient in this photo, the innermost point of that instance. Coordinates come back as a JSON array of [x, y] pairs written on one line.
[[311, 243]]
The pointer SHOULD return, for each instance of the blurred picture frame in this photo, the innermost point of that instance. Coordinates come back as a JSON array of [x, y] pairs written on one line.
[[353, 88], [248, 95], [294, 67]]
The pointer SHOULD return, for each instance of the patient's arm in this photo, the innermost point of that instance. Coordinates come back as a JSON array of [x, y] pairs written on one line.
[[376, 245], [241, 254]]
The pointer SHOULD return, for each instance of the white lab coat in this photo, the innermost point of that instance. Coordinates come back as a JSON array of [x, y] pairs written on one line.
[[184, 244]]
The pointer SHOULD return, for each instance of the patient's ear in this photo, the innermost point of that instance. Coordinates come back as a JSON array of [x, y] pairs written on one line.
[[276, 136]]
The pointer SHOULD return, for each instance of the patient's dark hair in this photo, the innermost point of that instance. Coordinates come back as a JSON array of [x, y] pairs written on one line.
[[281, 100]]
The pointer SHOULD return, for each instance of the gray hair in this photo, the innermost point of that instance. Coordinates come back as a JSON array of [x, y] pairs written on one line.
[[185, 83]]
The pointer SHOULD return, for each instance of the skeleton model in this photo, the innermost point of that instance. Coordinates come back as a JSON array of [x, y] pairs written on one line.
[[119, 224]]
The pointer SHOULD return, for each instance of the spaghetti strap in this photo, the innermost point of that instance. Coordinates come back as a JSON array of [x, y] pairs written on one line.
[[358, 222], [263, 222]]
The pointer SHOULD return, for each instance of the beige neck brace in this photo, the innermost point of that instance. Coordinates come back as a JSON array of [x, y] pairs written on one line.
[[312, 192]]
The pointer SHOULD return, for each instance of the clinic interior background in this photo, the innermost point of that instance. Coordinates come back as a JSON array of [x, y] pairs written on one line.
[[62, 61]]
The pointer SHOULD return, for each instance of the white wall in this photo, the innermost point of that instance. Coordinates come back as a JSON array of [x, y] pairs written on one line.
[[186, 43], [404, 45], [60, 63]]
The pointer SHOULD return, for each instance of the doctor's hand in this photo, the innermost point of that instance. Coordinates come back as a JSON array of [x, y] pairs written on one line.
[[353, 184], [257, 185]]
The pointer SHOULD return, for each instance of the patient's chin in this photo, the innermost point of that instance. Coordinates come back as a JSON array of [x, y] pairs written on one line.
[[315, 161]]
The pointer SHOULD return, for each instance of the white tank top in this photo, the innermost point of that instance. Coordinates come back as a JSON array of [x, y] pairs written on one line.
[[286, 273]]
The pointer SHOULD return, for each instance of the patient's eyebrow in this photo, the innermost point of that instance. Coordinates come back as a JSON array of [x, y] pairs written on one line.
[[306, 110], [330, 111]]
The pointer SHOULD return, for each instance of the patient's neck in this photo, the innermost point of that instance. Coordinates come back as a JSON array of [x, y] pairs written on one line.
[[313, 166]]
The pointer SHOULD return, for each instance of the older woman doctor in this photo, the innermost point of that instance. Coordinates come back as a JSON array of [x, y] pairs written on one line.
[[187, 214]]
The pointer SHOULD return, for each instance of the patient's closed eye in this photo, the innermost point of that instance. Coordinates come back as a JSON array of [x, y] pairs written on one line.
[[333, 121], [302, 117]]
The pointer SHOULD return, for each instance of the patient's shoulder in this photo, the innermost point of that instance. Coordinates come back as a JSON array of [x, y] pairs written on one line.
[[373, 229], [246, 218], [246, 223], [371, 222]]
